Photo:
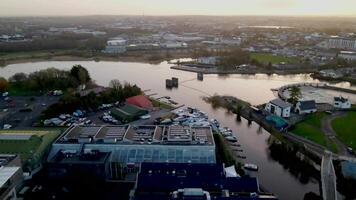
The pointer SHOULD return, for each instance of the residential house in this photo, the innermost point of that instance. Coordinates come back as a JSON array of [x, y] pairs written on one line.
[[342, 103], [305, 107], [279, 107]]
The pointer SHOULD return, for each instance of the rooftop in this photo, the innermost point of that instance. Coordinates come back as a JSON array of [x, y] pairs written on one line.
[[6, 173], [159, 180], [281, 103], [307, 105], [145, 134], [92, 157]]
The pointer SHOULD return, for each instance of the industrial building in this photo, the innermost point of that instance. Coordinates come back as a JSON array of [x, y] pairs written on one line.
[[175, 181], [131, 145]]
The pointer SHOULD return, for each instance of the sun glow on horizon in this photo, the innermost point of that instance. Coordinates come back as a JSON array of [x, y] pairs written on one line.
[[178, 7]]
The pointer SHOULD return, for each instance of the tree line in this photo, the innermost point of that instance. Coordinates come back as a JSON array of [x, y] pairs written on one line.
[[46, 80]]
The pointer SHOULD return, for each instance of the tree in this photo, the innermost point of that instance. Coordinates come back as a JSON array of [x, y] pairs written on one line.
[[295, 94], [80, 74], [116, 89], [18, 77], [3, 84]]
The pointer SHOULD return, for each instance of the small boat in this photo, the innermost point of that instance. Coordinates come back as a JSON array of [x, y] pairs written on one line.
[[252, 167], [236, 145], [231, 138], [242, 157]]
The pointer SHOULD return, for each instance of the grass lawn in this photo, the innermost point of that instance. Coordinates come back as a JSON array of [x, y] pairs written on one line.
[[345, 128], [310, 129], [266, 58], [32, 150], [32, 54], [310, 132]]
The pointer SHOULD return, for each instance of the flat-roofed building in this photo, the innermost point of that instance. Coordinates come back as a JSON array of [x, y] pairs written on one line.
[[131, 145]]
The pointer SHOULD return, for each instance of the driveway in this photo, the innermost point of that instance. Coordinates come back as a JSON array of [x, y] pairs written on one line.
[[329, 132]]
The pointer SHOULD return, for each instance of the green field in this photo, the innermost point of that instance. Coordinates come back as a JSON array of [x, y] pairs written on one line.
[[31, 151], [345, 128], [266, 58], [310, 129]]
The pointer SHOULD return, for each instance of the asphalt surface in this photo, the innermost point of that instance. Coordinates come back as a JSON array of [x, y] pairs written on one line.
[[11, 111]]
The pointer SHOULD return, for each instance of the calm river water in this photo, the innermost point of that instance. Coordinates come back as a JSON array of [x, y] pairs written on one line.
[[253, 88]]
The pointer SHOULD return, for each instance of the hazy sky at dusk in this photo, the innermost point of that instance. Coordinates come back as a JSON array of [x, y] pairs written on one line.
[[178, 7]]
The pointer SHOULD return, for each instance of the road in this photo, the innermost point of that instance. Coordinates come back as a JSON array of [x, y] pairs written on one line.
[[327, 129], [328, 177]]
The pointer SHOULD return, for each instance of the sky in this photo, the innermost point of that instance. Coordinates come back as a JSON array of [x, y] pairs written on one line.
[[177, 7]]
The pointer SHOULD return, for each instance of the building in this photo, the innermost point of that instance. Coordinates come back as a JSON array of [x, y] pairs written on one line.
[[178, 181], [341, 43], [305, 107], [140, 101], [11, 176], [207, 60], [128, 113], [72, 163], [347, 55], [342, 103], [115, 46], [131, 145], [279, 107]]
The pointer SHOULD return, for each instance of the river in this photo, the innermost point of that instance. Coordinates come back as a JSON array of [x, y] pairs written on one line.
[[252, 88]]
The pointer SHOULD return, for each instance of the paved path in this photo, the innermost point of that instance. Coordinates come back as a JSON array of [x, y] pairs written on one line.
[[327, 129], [328, 177]]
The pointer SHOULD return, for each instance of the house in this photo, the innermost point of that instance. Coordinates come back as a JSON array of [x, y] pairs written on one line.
[[305, 107], [342, 103], [279, 107]]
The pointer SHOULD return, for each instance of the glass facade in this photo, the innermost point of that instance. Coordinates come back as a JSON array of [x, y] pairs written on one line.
[[133, 153]]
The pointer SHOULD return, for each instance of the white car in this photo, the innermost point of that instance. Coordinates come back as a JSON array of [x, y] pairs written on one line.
[[5, 94], [7, 126], [145, 116]]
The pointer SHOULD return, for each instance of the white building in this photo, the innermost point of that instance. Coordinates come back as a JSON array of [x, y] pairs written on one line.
[[342, 103], [341, 43], [207, 60], [279, 107], [347, 55], [305, 107], [115, 46]]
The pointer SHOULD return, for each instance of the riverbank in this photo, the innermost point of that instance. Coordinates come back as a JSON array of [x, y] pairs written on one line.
[[250, 71], [83, 55]]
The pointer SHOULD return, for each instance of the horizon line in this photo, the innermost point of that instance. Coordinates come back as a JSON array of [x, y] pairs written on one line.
[[183, 15]]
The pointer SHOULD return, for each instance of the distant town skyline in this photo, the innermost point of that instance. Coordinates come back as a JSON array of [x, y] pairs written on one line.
[[177, 7]]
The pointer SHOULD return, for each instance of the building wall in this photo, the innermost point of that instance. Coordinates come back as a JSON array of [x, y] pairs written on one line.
[[136, 153], [349, 57], [341, 43], [278, 110], [341, 105]]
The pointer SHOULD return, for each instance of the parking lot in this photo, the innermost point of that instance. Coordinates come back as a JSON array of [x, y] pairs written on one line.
[[23, 111]]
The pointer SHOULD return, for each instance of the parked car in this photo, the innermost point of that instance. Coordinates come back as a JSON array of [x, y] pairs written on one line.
[[145, 116], [7, 126]]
